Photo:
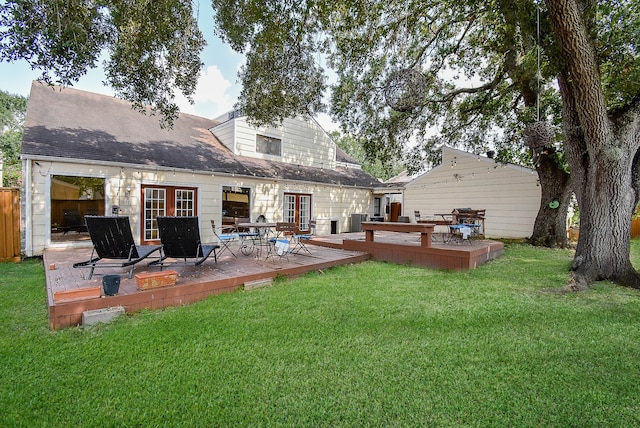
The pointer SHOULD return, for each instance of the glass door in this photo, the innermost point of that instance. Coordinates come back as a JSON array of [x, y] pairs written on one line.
[[165, 201], [297, 209], [155, 203]]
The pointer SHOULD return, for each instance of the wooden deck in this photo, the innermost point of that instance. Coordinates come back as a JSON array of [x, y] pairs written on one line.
[[406, 248], [69, 293]]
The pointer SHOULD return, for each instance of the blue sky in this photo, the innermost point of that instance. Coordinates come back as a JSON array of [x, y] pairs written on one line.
[[217, 90]]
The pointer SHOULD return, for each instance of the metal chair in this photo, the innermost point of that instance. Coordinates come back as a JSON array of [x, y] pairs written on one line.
[[301, 238], [246, 236], [225, 236]]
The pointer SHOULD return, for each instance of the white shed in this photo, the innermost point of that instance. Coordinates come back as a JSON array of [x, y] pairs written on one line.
[[509, 193]]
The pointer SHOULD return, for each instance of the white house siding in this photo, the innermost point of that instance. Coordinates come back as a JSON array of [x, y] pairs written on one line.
[[225, 133], [328, 202], [510, 194], [303, 141], [335, 204]]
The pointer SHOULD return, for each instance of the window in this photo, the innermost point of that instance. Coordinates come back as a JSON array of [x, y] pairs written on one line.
[[184, 203], [235, 203], [268, 145], [290, 208], [71, 199], [154, 206], [377, 202]]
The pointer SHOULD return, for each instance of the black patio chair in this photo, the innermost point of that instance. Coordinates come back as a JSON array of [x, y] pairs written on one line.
[[113, 244], [73, 221], [180, 238]]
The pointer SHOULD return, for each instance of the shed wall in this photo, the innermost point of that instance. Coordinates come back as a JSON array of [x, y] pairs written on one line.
[[510, 194]]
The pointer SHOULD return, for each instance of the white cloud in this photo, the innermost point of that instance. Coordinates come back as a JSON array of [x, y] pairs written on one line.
[[325, 121], [214, 95]]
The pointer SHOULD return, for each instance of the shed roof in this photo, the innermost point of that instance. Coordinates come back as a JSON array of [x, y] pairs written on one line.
[[79, 125]]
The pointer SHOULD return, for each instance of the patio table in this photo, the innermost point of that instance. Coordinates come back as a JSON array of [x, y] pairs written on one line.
[[259, 242], [447, 220]]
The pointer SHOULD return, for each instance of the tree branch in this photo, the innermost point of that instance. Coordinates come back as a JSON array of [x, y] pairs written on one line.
[[448, 98]]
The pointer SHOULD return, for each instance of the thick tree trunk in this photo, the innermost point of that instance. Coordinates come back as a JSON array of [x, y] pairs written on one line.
[[550, 228], [600, 154], [605, 224]]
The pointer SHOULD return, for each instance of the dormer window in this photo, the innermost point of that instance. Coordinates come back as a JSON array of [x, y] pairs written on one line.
[[268, 145]]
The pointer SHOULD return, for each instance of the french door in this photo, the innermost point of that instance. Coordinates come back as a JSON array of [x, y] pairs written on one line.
[[165, 201], [297, 209]]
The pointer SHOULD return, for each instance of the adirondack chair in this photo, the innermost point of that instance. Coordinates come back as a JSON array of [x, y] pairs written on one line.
[[180, 238], [113, 244]]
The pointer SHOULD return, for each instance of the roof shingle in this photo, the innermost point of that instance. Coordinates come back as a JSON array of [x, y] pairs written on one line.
[[73, 124]]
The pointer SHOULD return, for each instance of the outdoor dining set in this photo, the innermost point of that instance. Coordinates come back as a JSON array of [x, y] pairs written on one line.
[[181, 244], [263, 238], [461, 224]]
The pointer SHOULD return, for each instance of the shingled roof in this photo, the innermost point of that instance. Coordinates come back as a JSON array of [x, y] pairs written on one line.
[[67, 123]]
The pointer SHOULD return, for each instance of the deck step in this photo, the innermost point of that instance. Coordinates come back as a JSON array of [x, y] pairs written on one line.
[[252, 285], [103, 315]]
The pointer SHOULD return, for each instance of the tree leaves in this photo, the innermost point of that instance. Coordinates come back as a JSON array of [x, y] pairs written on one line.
[[62, 38], [153, 47], [12, 111]]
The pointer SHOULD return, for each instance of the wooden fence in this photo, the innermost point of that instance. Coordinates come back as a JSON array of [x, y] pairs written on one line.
[[635, 228], [9, 224]]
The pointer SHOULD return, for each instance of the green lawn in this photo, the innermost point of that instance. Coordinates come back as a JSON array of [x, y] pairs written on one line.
[[372, 344]]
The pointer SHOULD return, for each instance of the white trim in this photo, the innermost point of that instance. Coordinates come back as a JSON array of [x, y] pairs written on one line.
[[252, 196], [28, 209], [47, 215], [234, 132]]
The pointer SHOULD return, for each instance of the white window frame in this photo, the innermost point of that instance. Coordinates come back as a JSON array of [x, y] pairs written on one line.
[[268, 141]]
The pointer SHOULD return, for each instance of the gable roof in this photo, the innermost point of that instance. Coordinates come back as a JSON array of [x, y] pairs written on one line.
[[342, 156], [66, 123]]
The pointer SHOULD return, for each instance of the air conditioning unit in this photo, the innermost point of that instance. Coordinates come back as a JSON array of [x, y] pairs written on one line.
[[356, 222]]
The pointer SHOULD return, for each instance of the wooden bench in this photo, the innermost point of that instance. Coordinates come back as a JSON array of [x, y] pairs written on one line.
[[425, 229]]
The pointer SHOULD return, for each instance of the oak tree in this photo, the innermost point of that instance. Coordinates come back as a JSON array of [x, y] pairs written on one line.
[[12, 111], [151, 47], [599, 78], [588, 46], [463, 73]]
